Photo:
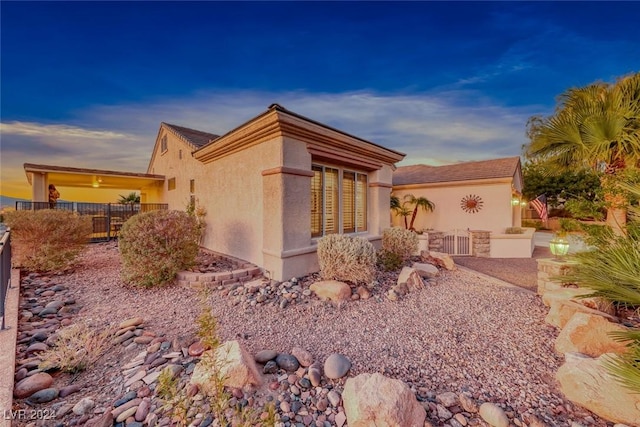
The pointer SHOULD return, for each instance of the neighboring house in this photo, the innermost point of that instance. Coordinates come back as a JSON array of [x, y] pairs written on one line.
[[274, 185], [482, 195]]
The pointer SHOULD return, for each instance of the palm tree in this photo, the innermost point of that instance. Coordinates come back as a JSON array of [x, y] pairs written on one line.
[[417, 202], [598, 127], [129, 199]]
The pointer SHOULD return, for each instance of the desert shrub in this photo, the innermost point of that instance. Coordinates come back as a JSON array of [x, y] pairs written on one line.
[[531, 223], [76, 347], [399, 241], [343, 257], [47, 239], [514, 230], [156, 245], [389, 261], [569, 224]]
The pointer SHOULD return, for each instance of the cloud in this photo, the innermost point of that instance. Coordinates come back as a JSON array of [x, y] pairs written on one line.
[[437, 128]]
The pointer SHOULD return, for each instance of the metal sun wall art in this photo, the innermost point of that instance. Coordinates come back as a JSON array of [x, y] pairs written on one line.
[[471, 203]]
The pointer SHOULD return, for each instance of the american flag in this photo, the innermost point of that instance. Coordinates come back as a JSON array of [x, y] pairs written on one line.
[[540, 205]]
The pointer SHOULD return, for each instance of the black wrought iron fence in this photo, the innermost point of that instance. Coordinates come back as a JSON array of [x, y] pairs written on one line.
[[5, 270], [107, 218]]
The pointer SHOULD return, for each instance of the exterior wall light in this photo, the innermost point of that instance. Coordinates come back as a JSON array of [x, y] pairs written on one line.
[[559, 246], [515, 201], [523, 204]]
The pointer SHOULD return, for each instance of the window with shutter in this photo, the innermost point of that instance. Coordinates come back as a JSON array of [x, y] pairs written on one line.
[[338, 201]]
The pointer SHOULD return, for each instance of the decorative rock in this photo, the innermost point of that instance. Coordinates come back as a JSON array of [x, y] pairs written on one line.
[[334, 398], [143, 340], [104, 420], [83, 406], [332, 290], [448, 399], [271, 367], [196, 349], [287, 362], [467, 403], [427, 271], [37, 347], [264, 356], [135, 321], [439, 258], [590, 335], [235, 365], [143, 410], [561, 311], [586, 382], [372, 399], [133, 403], [43, 396], [363, 292], [493, 415], [173, 370], [336, 366], [315, 375], [443, 413], [48, 310], [126, 398], [32, 384], [411, 278], [126, 414], [304, 357]]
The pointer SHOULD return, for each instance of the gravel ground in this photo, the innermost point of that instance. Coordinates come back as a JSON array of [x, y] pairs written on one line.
[[461, 334], [522, 272]]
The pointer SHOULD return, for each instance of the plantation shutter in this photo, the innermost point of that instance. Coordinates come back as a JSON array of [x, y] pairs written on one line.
[[361, 202], [316, 202], [331, 208], [348, 202]]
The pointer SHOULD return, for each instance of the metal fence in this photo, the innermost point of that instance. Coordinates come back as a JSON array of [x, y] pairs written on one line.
[[5, 269], [107, 218]]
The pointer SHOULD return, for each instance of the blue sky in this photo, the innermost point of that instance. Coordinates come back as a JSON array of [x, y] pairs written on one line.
[[87, 84]]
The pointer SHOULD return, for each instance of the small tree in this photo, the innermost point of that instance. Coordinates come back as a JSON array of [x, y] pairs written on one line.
[[401, 208]]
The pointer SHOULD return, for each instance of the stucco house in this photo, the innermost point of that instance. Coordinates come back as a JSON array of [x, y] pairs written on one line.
[[480, 196], [274, 185]]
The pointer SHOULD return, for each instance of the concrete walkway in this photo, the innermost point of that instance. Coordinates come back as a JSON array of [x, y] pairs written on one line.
[[8, 338]]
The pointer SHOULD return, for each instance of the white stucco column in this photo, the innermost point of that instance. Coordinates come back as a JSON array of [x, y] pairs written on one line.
[[39, 187], [379, 196]]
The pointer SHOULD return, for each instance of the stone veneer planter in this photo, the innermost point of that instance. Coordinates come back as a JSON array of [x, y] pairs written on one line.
[[243, 272]]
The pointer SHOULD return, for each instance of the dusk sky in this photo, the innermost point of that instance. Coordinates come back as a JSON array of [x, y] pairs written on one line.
[[86, 84]]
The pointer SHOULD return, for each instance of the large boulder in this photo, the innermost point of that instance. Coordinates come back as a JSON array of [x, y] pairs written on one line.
[[411, 278], [577, 295], [234, 363], [438, 258], [586, 382], [332, 290], [561, 310], [589, 334], [374, 400]]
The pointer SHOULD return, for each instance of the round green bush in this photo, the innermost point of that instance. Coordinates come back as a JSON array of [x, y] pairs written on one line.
[[156, 245]]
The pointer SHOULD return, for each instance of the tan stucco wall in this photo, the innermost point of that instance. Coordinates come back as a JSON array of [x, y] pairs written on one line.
[[497, 212], [258, 201]]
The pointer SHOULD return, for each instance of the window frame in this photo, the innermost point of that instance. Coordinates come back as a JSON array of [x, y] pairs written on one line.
[[357, 178], [171, 184], [164, 144]]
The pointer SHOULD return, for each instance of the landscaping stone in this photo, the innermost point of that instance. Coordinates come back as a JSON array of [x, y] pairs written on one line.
[[373, 399], [287, 362], [235, 364], [303, 356], [332, 290], [43, 396], [586, 382], [590, 335], [264, 356], [336, 366], [32, 384], [494, 415]]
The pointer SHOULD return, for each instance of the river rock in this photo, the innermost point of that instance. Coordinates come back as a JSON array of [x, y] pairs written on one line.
[[304, 357], [134, 321], [84, 406], [234, 363], [32, 384], [336, 366], [264, 356], [43, 396], [287, 362]]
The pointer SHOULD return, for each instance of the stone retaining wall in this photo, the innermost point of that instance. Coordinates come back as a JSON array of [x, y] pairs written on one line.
[[243, 272], [481, 243], [551, 267]]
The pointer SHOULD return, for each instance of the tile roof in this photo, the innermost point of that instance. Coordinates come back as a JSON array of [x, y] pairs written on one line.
[[484, 169], [195, 137]]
